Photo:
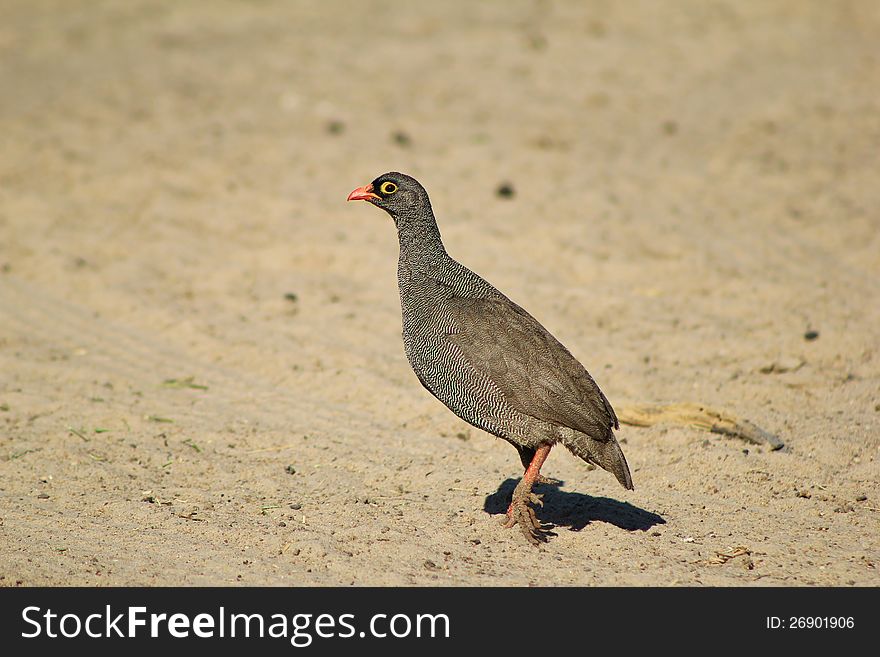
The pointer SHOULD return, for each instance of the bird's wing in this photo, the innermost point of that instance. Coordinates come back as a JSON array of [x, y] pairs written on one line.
[[536, 373]]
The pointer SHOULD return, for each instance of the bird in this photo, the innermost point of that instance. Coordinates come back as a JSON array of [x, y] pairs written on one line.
[[488, 360]]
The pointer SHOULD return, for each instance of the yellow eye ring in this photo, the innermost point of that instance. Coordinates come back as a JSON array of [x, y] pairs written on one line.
[[387, 187]]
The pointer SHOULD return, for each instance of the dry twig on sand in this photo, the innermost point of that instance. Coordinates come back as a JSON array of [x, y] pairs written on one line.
[[700, 417]]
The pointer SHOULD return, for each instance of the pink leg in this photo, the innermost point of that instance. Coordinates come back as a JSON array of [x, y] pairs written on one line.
[[520, 512]]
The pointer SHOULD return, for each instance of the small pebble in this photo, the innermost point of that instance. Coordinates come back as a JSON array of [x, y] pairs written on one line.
[[291, 296], [335, 127], [505, 190], [43, 496], [296, 507], [290, 469], [401, 139], [811, 335]]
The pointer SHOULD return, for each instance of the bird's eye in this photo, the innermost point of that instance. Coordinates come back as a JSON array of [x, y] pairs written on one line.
[[387, 188]]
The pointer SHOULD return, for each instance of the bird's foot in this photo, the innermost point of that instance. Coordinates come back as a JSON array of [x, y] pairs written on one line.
[[520, 512]]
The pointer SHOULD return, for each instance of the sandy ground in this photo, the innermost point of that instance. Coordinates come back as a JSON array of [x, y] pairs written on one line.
[[201, 374]]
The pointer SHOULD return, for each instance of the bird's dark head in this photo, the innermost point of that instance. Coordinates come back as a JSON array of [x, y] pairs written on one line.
[[398, 194]]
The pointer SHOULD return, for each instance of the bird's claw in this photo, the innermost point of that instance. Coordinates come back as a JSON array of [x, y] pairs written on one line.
[[521, 513]]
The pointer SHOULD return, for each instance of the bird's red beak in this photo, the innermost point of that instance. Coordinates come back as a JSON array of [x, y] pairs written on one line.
[[364, 193]]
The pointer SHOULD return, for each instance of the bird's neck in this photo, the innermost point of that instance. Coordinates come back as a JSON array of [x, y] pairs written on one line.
[[419, 238]]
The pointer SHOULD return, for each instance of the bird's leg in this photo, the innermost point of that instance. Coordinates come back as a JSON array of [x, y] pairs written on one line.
[[520, 512], [526, 454]]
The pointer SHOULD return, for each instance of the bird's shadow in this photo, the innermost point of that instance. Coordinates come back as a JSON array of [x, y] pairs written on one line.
[[575, 510]]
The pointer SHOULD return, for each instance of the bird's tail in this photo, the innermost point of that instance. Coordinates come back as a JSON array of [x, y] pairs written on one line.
[[605, 453]]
